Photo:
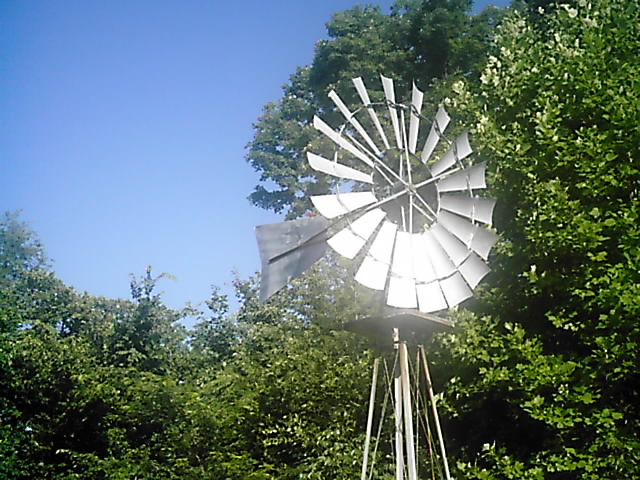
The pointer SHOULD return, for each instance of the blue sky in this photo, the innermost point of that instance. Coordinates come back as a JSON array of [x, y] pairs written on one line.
[[123, 126]]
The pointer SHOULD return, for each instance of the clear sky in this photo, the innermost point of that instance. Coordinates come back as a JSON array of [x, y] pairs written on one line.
[[123, 125]]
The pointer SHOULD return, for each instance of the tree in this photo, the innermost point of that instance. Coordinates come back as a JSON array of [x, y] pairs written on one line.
[[427, 42], [290, 398], [216, 337], [20, 249], [146, 333], [98, 388], [77, 371], [547, 385]]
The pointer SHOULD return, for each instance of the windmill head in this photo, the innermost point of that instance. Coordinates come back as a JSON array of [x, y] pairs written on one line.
[[410, 216]]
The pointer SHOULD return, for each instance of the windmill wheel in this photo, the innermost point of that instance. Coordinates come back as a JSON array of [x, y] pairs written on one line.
[[415, 222]]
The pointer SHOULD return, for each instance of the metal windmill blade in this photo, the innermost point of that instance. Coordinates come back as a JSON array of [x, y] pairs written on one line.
[[416, 224]]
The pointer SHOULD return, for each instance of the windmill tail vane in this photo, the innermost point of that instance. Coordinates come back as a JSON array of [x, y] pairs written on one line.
[[288, 249], [413, 222]]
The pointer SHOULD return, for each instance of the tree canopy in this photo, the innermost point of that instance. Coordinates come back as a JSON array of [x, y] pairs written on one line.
[[419, 41], [20, 248], [557, 113]]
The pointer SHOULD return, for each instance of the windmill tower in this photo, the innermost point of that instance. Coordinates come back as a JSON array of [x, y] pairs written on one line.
[[409, 216]]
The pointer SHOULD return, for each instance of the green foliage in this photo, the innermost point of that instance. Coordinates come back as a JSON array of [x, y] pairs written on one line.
[[292, 395], [98, 388], [146, 335], [64, 375], [214, 338], [557, 113], [540, 382], [20, 249]]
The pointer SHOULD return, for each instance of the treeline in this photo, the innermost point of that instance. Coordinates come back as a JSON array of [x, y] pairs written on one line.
[[94, 388], [540, 374]]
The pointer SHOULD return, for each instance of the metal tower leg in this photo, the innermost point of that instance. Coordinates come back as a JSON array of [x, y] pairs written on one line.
[[399, 429], [372, 399], [397, 384], [435, 412], [407, 411]]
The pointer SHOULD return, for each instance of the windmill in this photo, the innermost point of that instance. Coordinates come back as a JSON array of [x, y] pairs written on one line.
[[411, 219]]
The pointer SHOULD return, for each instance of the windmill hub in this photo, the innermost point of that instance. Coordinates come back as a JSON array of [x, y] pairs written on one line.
[[408, 194]]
